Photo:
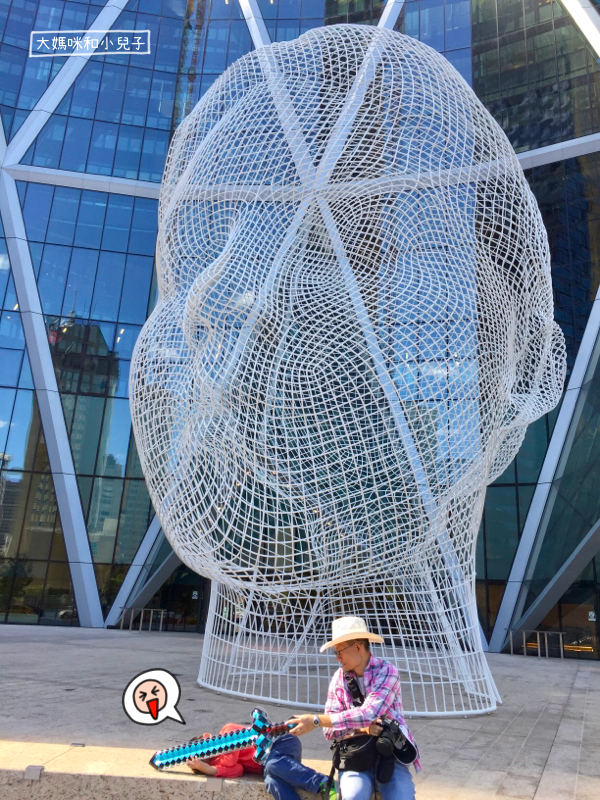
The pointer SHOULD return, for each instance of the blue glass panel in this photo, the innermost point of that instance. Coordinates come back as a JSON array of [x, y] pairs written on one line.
[[117, 223], [309, 24], [12, 65], [136, 288], [501, 531], [120, 386], [240, 42], [48, 16], [53, 276], [287, 29], [36, 249], [23, 431], [100, 338], [61, 228], [102, 148], [432, 23], [268, 9], [462, 62], [74, 17], [17, 487], [36, 211], [134, 521], [114, 441], [21, 189], [90, 220], [35, 81], [65, 104], [103, 517], [312, 8], [10, 366], [154, 154], [172, 8], [77, 143], [107, 291], [85, 432], [144, 227], [215, 57], [137, 93], [458, 24], [7, 399], [85, 90], [531, 455], [26, 379], [10, 297], [80, 283], [112, 92], [11, 330], [49, 143], [162, 98], [129, 151], [19, 119], [144, 22], [168, 44], [126, 338]]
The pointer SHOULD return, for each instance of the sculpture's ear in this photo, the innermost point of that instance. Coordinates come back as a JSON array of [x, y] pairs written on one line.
[[544, 381]]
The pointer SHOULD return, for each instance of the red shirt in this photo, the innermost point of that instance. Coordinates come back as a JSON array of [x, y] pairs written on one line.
[[233, 765]]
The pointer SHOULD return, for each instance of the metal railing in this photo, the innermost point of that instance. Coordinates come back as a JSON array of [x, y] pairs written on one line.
[[141, 611], [545, 634]]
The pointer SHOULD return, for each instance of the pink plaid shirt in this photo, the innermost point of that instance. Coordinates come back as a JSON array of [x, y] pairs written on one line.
[[383, 698]]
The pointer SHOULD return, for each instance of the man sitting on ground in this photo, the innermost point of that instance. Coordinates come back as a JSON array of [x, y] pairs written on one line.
[[379, 683]]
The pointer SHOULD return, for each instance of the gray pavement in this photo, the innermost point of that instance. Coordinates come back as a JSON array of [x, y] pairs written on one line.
[[60, 686]]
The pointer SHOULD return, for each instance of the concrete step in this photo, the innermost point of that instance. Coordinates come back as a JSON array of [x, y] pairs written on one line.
[[112, 773]]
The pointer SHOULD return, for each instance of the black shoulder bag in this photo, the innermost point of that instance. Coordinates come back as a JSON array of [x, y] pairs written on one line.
[[357, 753]]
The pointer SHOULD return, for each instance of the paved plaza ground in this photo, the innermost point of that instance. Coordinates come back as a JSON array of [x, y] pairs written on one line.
[[64, 686]]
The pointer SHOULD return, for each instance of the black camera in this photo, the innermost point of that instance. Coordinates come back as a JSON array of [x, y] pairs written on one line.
[[390, 737]]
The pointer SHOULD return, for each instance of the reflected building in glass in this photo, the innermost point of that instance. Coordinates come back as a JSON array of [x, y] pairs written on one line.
[[85, 150]]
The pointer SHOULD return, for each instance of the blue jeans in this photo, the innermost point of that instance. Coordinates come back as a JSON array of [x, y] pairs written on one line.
[[361, 785], [284, 770]]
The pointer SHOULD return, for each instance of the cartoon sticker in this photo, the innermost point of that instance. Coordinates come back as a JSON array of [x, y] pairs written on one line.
[[151, 697]]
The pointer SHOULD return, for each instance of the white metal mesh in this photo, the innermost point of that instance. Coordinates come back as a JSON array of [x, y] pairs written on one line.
[[355, 326]]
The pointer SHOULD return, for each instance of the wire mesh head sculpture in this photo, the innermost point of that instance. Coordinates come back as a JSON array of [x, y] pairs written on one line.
[[354, 328]]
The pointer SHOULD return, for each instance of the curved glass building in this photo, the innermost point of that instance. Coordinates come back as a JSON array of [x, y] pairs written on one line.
[[84, 140]]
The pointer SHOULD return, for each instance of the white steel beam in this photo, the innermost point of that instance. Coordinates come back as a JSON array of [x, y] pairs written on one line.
[[542, 491], [585, 16], [390, 14], [558, 585], [133, 573], [84, 180], [572, 148], [139, 598]]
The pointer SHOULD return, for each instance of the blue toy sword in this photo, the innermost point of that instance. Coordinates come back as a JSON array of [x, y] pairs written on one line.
[[260, 735]]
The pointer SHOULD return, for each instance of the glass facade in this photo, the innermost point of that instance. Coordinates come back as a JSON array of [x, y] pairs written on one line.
[[93, 257], [35, 583]]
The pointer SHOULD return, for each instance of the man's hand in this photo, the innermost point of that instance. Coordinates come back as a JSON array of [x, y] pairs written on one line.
[[375, 727], [303, 723]]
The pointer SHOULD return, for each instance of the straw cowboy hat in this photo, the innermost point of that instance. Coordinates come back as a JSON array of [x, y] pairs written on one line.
[[345, 629]]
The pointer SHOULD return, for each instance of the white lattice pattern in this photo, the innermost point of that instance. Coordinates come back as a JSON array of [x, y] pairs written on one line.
[[355, 327]]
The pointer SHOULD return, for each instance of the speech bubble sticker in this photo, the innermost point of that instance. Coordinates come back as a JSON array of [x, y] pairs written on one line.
[[151, 697]]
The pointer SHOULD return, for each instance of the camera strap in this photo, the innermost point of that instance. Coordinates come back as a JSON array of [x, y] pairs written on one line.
[[357, 700]]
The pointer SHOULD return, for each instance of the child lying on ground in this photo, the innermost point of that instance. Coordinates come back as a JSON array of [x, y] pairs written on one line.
[[283, 768]]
